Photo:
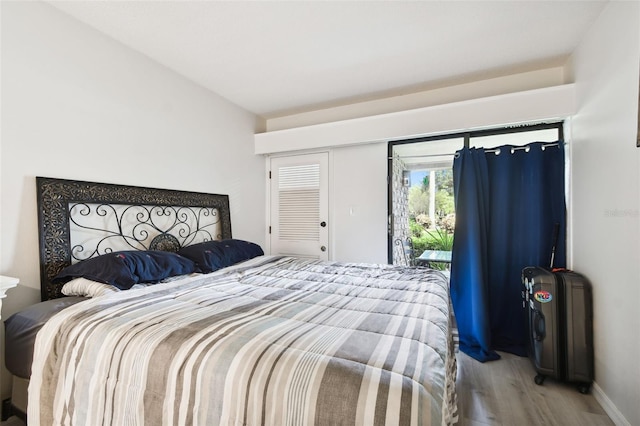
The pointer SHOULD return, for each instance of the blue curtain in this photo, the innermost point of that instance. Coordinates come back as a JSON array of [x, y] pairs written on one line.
[[507, 208]]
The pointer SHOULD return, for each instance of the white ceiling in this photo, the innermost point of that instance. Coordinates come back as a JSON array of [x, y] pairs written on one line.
[[279, 57]]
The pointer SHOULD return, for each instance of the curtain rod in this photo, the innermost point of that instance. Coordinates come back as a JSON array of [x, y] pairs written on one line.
[[525, 148], [486, 150]]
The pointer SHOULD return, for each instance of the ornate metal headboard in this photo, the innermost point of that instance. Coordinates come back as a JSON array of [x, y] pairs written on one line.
[[78, 220]]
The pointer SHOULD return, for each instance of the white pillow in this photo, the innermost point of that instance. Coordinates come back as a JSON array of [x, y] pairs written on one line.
[[87, 288]]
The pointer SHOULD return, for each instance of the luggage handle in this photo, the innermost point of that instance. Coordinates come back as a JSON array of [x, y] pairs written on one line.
[[539, 331]]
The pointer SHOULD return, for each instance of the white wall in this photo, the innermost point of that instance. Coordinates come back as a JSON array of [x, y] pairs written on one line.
[[78, 105], [527, 106], [606, 200], [358, 203], [452, 91]]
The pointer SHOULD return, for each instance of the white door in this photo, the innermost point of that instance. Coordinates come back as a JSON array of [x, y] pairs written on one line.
[[299, 206]]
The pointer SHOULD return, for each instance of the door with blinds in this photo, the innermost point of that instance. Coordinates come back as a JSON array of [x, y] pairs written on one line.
[[299, 206]]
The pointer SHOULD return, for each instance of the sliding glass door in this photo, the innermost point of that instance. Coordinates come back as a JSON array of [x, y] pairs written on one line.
[[421, 205], [420, 187]]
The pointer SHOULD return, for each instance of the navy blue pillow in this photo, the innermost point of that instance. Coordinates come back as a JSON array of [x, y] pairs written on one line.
[[123, 269], [210, 256]]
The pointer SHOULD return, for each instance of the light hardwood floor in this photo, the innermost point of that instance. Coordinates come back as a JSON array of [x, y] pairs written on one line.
[[503, 393]]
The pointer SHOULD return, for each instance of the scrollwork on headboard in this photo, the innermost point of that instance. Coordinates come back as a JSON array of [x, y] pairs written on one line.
[[135, 218], [97, 229]]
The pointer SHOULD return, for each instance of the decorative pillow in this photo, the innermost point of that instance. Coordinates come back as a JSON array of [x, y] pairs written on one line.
[[87, 288], [123, 269], [210, 256]]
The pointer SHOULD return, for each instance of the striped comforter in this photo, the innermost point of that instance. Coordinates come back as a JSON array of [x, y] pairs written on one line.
[[274, 341]]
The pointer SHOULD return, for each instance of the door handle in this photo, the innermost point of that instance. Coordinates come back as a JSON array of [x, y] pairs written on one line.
[[323, 248], [323, 224]]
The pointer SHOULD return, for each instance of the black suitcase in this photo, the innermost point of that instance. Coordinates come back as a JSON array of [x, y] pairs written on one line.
[[559, 311]]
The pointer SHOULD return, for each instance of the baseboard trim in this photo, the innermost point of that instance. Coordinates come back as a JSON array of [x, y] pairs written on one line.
[[608, 406]]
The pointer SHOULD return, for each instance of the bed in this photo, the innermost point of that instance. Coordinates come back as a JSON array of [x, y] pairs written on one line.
[[229, 336]]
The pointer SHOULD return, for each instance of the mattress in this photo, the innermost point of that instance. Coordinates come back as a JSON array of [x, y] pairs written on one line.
[[21, 329], [276, 341]]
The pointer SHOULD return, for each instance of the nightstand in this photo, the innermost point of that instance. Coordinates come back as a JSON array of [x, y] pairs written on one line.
[[6, 283]]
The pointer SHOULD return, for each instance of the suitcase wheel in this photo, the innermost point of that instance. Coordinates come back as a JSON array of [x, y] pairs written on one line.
[[539, 379], [584, 388]]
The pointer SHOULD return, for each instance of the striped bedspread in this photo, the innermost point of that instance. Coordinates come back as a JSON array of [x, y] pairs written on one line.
[[274, 341]]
